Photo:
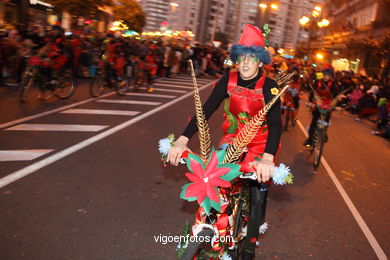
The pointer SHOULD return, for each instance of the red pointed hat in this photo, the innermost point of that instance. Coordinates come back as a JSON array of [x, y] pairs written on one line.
[[251, 36]]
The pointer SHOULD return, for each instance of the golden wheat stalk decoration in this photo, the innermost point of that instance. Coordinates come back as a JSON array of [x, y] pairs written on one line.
[[249, 131], [336, 99], [203, 127], [316, 96]]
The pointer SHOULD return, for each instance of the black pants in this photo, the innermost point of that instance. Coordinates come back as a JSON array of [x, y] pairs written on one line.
[[313, 125], [257, 203]]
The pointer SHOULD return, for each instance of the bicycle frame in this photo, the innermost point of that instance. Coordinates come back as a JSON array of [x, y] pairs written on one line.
[[320, 134]]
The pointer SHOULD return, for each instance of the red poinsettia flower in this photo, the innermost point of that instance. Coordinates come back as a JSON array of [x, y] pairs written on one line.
[[206, 180]]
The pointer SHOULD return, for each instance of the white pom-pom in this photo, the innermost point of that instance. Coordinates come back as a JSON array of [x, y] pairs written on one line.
[[263, 228]]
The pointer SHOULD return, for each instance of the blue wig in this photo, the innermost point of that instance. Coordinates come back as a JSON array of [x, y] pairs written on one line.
[[260, 53]]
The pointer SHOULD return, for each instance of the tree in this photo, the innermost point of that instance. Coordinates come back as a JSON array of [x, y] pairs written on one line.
[[80, 8], [131, 13]]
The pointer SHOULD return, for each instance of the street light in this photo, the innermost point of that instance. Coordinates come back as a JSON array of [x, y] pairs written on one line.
[[320, 56], [323, 23], [318, 8], [315, 13], [274, 6], [264, 6], [304, 20]]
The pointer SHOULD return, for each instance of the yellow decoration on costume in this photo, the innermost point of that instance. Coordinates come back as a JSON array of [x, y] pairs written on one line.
[[274, 91]]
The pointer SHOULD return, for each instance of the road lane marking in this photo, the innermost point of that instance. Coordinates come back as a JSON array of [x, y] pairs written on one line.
[[62, 154], [362, 224], [101, 112], [150, 95], [172, 86], [57, 127], [22, 155], [170, 90], [24, 119], [131, 102]]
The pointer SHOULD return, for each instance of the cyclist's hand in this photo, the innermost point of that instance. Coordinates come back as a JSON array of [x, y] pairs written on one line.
[[177, 150], [264, 168]]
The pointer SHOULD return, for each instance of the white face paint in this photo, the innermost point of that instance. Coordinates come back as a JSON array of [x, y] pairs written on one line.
[[248, 66]]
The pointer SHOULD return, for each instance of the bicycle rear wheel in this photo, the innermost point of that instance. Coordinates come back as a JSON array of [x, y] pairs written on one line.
[[64, 88], [193, 247], [96, 86], [318, 146]]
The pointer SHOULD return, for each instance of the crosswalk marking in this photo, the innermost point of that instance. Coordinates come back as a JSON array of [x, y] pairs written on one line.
[[101, 112], [173, 86], [189, 81], [176, 83], [17, 175], [57, 127], [190, 78], [150, 95], [169, 90], [132, 102], [186, 79], [22, 155]]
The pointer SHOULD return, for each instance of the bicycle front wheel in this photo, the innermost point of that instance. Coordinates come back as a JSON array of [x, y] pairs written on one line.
[[96, 86], [286, 119], [318, 146], [64, 88]]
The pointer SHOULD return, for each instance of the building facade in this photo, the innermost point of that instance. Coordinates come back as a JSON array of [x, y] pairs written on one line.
[[183, 15], [358, 35], [286, 31], [156, 14], [205, 18]]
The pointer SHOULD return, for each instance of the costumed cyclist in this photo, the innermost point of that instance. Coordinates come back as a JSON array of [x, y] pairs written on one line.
[[245, 92], [325, 90]]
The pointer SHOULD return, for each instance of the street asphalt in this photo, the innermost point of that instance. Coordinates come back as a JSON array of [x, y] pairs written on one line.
[[105, 195]]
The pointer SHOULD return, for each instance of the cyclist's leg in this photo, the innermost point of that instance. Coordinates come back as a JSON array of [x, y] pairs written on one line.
[[313, 125], [257, 204], [327, 119]]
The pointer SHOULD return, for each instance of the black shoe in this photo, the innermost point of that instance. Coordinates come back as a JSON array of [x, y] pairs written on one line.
[[308, 143]]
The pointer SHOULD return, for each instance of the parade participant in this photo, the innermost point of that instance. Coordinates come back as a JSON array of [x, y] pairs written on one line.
[[324, 88], [291, 98], [246, 92]]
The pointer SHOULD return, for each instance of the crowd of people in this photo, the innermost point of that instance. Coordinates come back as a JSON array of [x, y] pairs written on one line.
[[80, 52], [367, 97]]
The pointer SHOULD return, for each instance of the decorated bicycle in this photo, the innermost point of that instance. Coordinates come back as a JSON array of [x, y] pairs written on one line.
[[230, 184], [322, 105]]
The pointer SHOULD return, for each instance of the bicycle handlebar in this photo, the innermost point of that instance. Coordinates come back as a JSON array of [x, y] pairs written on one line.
[[247, 175]]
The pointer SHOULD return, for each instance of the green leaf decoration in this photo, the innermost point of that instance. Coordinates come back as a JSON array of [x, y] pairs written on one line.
[[183, 191], [233, 124], [289, 179], [233, 173], [196, 158], [183, 244], [266, 31], [226, 106], [171, 137], [264, 130], [205, 179]]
